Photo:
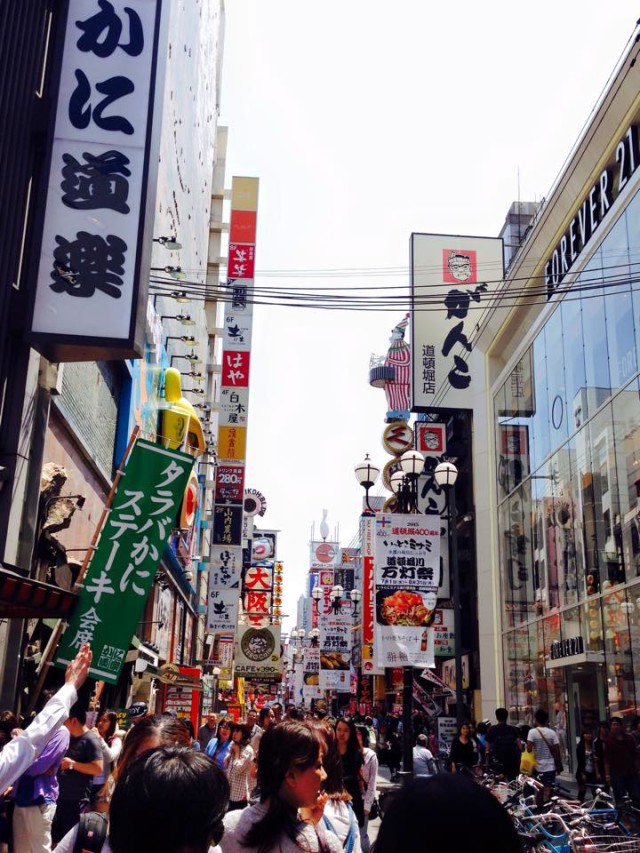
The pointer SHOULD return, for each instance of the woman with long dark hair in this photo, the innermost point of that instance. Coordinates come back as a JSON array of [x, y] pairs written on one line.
[[111, 745], [352, 763], [338, 815], [218, 747], [288, 817], [463, 754], [239, 763], [150, 733]]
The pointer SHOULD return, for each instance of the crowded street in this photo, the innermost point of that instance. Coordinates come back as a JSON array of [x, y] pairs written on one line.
[[319, 427]]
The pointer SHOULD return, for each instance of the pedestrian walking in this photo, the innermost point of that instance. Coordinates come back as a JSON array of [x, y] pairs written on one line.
[[370, 776], [423, 763], [587, 766], [82, 762], [169, 800], [35, 795], [290, 776], [620, 763], [544, 743], [111, 744], [352, 763], [463, 755], [207, 731], [150, 733], [218, 747], [504, 746], [239, 764], [338, 817]]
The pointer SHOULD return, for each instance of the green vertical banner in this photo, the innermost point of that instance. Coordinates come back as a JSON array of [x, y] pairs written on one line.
[[121, 572]]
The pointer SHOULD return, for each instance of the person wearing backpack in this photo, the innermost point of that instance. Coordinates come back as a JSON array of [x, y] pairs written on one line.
[[504, 746]]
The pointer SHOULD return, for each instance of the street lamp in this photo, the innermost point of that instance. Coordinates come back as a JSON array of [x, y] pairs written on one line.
[[170, 243], [314, 636], [366, 474], [446, 475], [412, 464], [185, 319], [316, 594], [355, 595], [186, 339], [336, 597], [175, 272]]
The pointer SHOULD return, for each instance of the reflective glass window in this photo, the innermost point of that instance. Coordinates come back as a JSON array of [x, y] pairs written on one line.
[[575, 371], [556, 384], [623, 362], [595, 333], [626, 424], [539, 438], [632, 216]]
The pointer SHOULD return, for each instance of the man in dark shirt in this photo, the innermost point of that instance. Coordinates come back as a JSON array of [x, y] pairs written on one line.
[[504, 745], [208, 731], [620, 763], [82, 761]]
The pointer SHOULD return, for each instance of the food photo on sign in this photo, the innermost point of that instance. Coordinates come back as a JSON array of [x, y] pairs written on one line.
[[405, 607]]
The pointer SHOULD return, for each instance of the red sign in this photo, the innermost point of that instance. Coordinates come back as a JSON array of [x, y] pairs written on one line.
[[241, 260], [235, 369], [242, 228], [367, 600], [230, 483]]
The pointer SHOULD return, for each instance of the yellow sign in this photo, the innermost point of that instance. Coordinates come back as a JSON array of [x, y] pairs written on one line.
[[232, 442], [397, 438]]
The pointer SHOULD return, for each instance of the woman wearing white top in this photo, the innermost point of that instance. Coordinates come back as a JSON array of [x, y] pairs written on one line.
[[370, 776], [111, 745]]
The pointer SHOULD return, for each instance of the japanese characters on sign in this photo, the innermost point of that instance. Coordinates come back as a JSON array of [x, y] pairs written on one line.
[[129, 551], [407, 575], [431, 440], [444, 637], [92, 256], [234, 385], [324, 555], [459, 274], [225, 567], [222, 610]]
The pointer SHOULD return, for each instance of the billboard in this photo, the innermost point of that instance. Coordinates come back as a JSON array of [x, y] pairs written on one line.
[[257, 652], [129, 550], [455, 278], [95, 246], [407, 576]]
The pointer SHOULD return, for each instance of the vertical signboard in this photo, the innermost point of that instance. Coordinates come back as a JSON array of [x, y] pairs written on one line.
[[96, 245], [229, 494], [407, 569], [457, 277], [128, 554], [335, 649]]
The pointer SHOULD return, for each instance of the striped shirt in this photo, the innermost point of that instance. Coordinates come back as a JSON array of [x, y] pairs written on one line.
[[541, 749]]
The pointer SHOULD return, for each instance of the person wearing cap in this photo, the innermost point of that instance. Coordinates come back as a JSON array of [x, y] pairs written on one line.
[[423, 763], [137, 712]]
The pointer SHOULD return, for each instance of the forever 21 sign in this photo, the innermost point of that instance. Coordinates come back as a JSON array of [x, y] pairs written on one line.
[[593, 210]]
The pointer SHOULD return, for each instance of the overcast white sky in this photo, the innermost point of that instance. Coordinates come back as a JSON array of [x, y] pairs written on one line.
[[366, 121]]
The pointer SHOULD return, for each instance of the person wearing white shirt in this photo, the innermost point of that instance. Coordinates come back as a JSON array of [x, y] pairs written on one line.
[[22, 751], [423, 763]]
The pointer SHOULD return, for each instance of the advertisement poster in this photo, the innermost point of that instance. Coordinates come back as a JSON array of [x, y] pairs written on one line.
[[225, 567], [444, 637], [222, 611], [126, 559], [407, 569], [335, 649], [257, 652]]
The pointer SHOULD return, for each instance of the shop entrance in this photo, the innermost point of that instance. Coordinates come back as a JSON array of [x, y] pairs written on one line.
[[586, 694]]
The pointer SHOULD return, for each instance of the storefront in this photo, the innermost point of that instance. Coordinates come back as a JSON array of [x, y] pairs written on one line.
[[566, 411]]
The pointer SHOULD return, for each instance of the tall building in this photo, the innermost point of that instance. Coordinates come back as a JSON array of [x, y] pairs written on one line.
[[561, 346], [72, 421]]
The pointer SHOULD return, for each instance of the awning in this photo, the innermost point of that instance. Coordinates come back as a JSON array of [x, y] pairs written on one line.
[[24, 598]]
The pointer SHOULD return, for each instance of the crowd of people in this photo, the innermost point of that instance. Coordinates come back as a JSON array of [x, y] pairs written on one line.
[[277, 780]]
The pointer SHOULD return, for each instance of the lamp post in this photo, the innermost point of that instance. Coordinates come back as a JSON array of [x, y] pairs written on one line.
[[446, 475], [405, 486], [366, 474], [216, 676]]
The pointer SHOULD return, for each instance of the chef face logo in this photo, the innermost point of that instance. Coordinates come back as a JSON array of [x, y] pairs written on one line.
[[459, 265]]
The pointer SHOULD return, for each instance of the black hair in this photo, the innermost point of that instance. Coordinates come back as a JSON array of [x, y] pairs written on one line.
[[353, 747], [541, 717], [78, 712], [174, 782], [262, 716], [245, 729], [502, 715], [331, 761], [437, 803], [112, 717], [364, 734], [289, 744], [186, 722]]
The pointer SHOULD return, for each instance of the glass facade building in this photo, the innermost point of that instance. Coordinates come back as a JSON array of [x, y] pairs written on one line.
[[567, 474]]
